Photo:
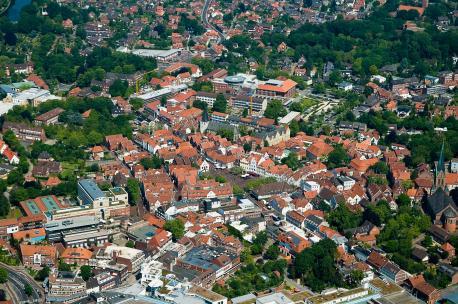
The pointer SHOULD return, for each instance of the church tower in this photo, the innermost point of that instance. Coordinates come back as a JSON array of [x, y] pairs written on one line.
[[439, 181], [203, 124]]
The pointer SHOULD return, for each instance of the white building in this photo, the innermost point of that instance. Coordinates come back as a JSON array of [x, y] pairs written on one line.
[[346, 182], [151, 272], [160, 55], [131, 257], [33, 96], [454, 165], [289, 117], [310, 186], [378, 78]]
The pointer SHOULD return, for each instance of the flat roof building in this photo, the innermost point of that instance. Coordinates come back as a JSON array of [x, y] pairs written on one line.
[[275, 88], [89, 192]]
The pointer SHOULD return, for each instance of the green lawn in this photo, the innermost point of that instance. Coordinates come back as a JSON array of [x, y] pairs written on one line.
[[307, 102], [68, 169]]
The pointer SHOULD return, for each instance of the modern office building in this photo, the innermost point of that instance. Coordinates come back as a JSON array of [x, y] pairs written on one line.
[[102, 204], [89, 192]]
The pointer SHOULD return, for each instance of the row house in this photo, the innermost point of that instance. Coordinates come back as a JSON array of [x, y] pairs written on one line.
[[253, 163], [296, 218], [205, 189], [25, 132], [386, 268]]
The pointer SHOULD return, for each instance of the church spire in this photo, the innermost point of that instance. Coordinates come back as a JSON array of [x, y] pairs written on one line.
[[441, 162], [440, 170]]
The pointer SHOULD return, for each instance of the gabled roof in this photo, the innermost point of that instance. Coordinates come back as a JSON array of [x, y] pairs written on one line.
[[439, 201]]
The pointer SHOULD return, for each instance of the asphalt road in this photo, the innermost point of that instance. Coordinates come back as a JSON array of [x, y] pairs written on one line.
[[205, 19], [18, 280]]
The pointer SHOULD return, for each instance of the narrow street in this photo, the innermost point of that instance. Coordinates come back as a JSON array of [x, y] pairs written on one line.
[[208, 24]]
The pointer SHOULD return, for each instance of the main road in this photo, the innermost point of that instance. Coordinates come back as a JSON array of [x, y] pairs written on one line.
[[18, 280], [208, 24]]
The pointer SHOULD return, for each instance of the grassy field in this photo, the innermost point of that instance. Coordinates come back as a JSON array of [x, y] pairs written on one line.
[[308, 103], [68, 169]]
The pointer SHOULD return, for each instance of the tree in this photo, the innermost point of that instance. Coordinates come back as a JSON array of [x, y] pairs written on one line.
[[342, 218], [247, 147], [434, 258], [292, 161], [23, 164], [85, 272], [206, 65], [226, 133], [220, 179], [294, 127], [427, 241], [118, 88], [373, 70], [220, 104], [338, 157], [28, 290], [43, 273], [256, 249], [316, 266], [130, 244], [297, 107], [94, 138], [153, 162], [272, 252], [3, 275], [245, 256], [64, 266], [378, 214], [335, 77], [380, 168], [176, 227], [275, 109], [237, 190], [260, 238], [4, 205], [399, 231], [136, 103], [356, 276], [133, 189], [163, 101], [403, 200], [200, 105], [15, 177], [10, 38]]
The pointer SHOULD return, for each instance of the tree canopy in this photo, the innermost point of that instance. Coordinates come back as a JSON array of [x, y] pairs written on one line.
[[316, 266], [176, 227]]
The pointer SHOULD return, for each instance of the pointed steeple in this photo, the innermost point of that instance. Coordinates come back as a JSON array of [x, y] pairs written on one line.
[[204, 122], [439, 181], [441, 162]]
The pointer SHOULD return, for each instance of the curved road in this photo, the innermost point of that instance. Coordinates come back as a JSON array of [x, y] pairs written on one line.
[[17, 281], [208, 24]]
